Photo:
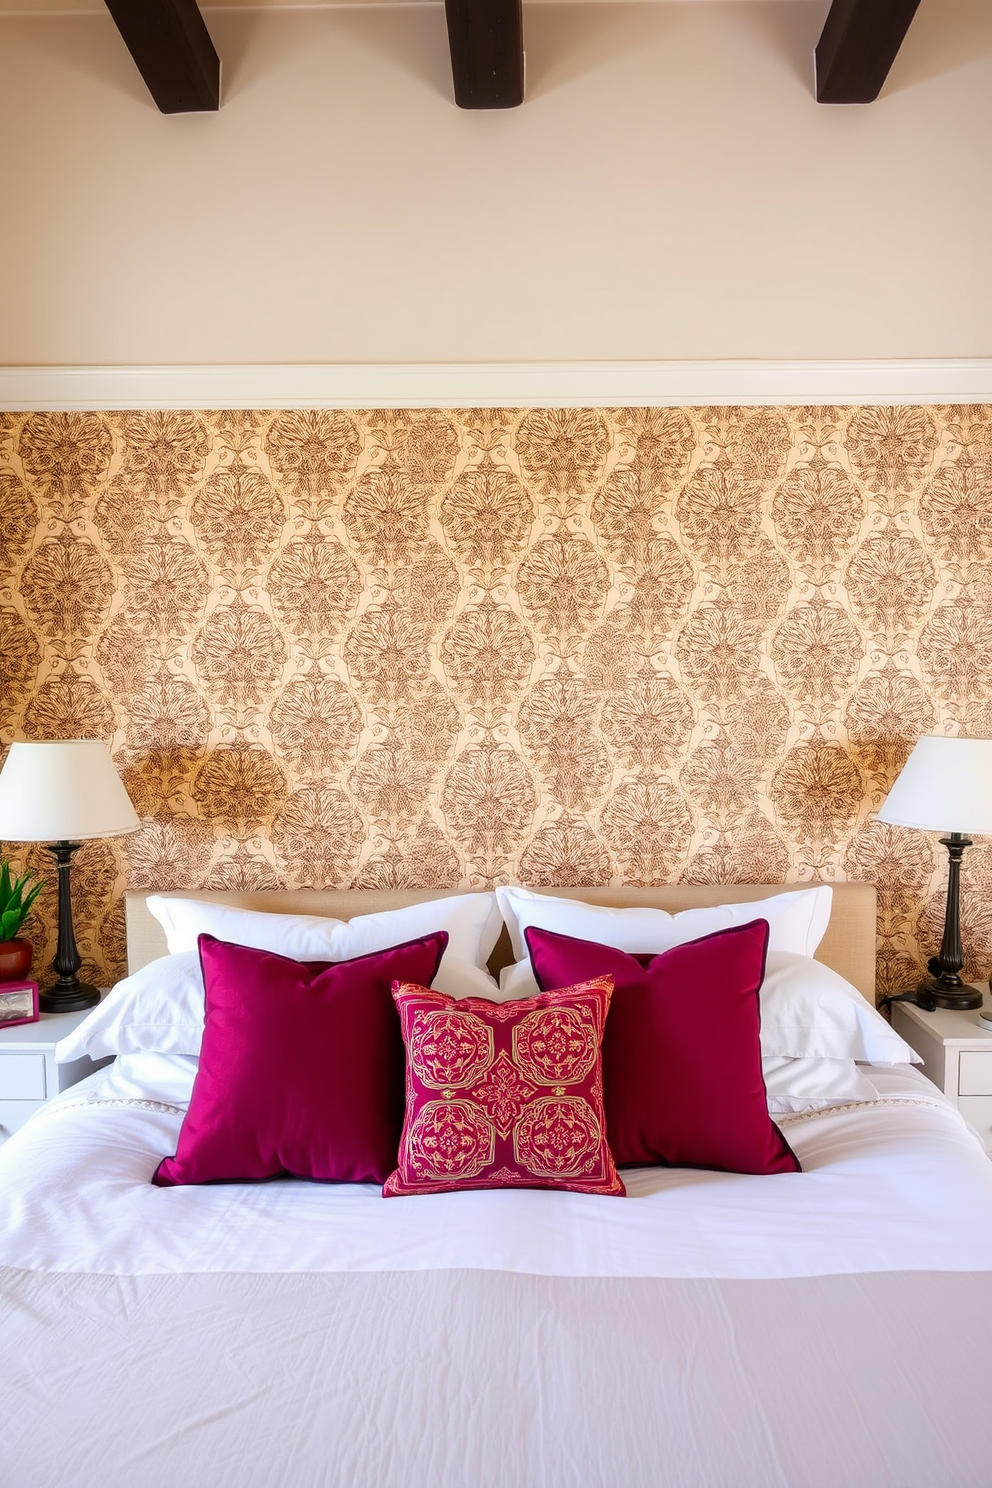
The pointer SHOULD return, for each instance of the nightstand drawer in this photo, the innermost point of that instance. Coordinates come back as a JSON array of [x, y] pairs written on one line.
[[975, 1072], [29, 1075], [22, 1077]]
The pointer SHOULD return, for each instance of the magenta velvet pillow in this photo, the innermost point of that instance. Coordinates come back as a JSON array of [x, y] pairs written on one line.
[[301, 1067], [681, 1052], [504, 1094]]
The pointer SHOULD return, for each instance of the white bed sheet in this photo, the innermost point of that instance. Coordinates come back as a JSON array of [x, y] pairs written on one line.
[[900, 1184]]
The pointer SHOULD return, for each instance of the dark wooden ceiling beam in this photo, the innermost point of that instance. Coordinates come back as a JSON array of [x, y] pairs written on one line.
[[858, 46], [486, 40], [171, 46]]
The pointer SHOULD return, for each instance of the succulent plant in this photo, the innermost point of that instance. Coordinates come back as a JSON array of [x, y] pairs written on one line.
[[16, 900]]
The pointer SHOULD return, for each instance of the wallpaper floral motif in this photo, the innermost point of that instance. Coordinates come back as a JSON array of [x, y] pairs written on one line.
[[447, 648]]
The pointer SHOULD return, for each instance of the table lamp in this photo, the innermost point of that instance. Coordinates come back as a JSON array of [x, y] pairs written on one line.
[[60, 793], [945, 786]]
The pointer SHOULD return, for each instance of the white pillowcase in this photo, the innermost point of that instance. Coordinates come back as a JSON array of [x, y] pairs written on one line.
[[473, 923], [157, 1010], [796, 922], [808, 1011], [814, 1084], [160, 1008]]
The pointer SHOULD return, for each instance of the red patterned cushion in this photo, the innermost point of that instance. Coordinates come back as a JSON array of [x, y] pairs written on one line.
[[504, 1094]]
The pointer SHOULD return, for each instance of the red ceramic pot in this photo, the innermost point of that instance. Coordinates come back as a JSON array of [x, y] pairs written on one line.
[[15, 959]]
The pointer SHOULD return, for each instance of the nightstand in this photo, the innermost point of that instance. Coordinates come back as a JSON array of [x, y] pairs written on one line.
[[29, 1075], [957, 1056]]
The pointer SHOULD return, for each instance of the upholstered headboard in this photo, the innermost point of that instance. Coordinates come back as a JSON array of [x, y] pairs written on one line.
[[848, 945]]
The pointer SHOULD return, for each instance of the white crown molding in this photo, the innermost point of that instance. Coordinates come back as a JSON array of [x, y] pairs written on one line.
[[496, 384]]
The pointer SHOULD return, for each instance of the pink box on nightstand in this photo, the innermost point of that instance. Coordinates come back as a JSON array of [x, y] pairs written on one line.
[[18, 1003]]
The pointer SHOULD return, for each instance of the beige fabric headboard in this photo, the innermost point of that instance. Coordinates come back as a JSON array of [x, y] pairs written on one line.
[[848, 946]]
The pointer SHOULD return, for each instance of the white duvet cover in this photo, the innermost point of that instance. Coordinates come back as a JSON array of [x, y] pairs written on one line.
[[827, 1329], [898, 1184]]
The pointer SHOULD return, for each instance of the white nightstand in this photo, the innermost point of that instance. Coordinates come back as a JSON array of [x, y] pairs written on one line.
[[957, 1056], [29, 1075]]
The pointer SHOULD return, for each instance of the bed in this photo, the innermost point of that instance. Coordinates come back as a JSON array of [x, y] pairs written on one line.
[[823, 1329]]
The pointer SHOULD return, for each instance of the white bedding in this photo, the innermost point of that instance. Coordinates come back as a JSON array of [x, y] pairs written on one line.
[[897, 1185], [828, 1329]]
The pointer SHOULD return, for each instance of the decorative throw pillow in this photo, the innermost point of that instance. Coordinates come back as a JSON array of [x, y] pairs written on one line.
[[504, 1095], [301, 1067], [681, 1051]]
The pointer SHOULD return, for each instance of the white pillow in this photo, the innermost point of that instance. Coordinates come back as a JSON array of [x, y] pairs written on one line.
[[472, 921], [813, 1084], [160, 1008], [796, 922], [157, 1010], [808, 1011]]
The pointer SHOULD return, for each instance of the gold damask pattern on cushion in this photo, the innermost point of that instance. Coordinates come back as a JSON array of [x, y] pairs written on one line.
[[526, 1075], [450, 648]]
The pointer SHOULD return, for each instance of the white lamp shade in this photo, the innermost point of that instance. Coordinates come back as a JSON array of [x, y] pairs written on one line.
[[944, 786], [62, 791]]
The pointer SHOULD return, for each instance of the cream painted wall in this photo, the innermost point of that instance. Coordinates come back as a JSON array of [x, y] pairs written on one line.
[[670, 190]]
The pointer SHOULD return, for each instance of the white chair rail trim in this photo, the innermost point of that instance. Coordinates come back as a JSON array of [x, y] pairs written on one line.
[[496, 384]]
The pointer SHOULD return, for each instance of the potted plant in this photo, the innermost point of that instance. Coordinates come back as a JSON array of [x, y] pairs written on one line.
[[16, 900]]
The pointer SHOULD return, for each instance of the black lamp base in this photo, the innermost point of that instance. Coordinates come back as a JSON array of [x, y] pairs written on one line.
[[68, 999], [68, 994], [944, 988], [930, 995]]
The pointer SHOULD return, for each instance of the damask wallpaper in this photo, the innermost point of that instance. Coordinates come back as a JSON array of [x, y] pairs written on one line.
[[448, 648]]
